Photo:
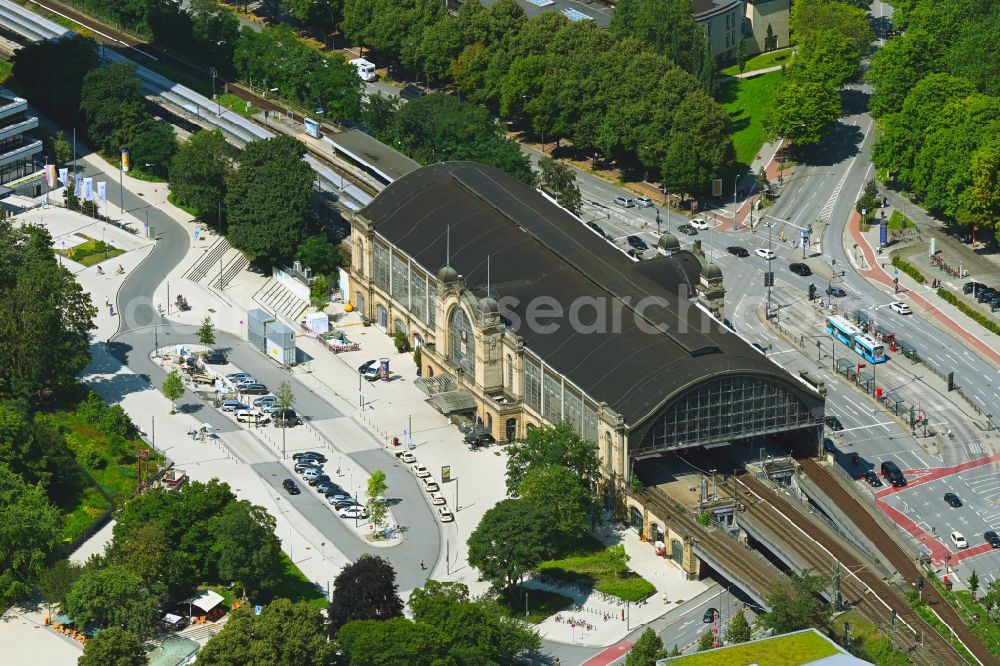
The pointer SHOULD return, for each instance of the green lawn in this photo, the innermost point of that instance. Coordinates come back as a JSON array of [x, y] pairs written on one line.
[[763, 61], [898, 221], [238, 105], [184, 207], [91, 252], [746, 101], [5, 70], [541, 603], [90, 506], [296, 587], [792, 650], [589, 567]]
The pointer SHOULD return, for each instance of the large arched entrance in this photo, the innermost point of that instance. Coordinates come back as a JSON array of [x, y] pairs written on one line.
[[635, 519]]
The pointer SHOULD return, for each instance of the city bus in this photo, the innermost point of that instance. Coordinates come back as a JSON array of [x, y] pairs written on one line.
[[852, 336], [842, 329], [872, 351]]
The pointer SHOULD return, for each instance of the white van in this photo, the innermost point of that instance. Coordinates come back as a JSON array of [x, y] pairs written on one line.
[[366, 70]]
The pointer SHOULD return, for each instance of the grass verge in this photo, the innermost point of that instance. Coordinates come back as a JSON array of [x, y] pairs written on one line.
[[898, 221], [924, 611], [91, 252], [746, 100], [589, 566], [541, 604], [238, 105], [762, 61], [973, 614], [296, 587], [187, 209]]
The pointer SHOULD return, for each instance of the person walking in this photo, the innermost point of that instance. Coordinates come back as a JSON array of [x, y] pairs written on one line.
[[423, 566]]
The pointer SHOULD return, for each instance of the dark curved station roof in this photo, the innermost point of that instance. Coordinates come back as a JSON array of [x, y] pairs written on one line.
[[538, 256]]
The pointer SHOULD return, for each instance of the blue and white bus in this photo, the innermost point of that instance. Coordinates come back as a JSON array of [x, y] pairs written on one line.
[[852, 336]]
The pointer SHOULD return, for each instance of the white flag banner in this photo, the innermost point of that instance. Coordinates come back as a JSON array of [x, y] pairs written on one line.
[[64, 176], [88, 189], [102, 192], [77, 187]]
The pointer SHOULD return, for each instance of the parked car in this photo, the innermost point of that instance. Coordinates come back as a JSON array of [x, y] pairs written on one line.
[[765, 253], [290, 487], [627, 202], [986, 294], [643, 202], [315, 455], [316, 480], [833, 423], [326, 486], [311, 473], [285, 418], [372, 373], [253, 389], [214, 358], [833, 290], [233, 405], [699, 224], [353, 512], [245, 379], [408, 457], [445, 515], [420, 471], [411, 92], [687, 230], [437, 499], [737, 251], [901, 308], [800, 269], [952, 500], [637, 243], [709, 615], [265, 400], [344, 503], [992, 539], [430, 485], [959, 540], [872, 478], [972, 287], [597, 229], [363, 368], [303, 467], [892, 473], [251, 416], [234, 377]]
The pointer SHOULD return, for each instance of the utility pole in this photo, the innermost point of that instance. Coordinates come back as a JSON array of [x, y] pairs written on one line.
[[838, 600]]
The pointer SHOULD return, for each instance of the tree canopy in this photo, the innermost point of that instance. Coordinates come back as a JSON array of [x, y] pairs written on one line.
[[364, 590], [646, 650], [113, 646], [268, 199], [29, 531], [114, 596], [51, 73], [199, 171], [394, 641], [559, 490], [552, 445], [512, 538], [798, 606]]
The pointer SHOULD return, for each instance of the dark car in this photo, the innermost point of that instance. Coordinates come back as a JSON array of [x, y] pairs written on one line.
[[992, 539], [872, 478], [290, 487], [952, 500], [597, 229], [637, 243], [253, 389], [829, 446], [738, 251], [972, 287], [215, 358], [343, 504], [322, 478], [986, 294], [687, 230], [363, 368], [759, 348], [891, 471], [285, 418], [709, 615], [833, 422], [324, 487], [335, 491], [483, 439], [411, 92], [800, 269], [836, 291], [309, 455], [728, 324]]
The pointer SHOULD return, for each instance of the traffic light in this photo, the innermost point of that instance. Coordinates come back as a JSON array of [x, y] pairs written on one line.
[[812, 292], [769, 279]]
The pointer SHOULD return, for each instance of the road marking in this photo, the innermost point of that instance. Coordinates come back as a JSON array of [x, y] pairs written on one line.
[[827, 210]]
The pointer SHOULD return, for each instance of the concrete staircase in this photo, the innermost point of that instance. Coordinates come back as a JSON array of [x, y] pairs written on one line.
[[210, 260], [279, 301]]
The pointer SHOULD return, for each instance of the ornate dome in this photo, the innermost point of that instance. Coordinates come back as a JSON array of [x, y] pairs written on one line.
[[668, 242], [712, 271], [488, 306], [447, 275]]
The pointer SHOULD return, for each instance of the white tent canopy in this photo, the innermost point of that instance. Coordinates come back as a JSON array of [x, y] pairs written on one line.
[[205, 600]]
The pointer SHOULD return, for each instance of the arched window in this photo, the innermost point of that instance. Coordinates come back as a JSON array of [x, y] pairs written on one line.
[[360, 261], [606, 457], [461, 348], [510, 373]]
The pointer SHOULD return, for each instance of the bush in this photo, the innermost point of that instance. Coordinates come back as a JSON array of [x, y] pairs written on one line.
[[909, 269], [399, 340], [979, 317], [705, 518], [92, 458], [320, 289], [115, 421]]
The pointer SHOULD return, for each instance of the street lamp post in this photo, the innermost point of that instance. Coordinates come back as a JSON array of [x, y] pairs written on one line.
[[767, 280], [215, 73]]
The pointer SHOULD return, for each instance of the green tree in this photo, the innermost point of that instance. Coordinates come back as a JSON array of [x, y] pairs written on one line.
[[739, 630], [268, 199], [153, 145], [706, 641], [552, 445], [198, 174], [29, 529], [45, 317], [869, 200], [35, 449], [498, 638], [798, 606], [113, 596], [379, 110], [364, 590], [57, 581], [284, 634], [214, 32], [566, 498], [319, 254], [51, 73], [377, 508], [980, 203], [898, 66], [973, 583], [319, 290], [322, 14], [113, 646], [741, 54], [802, 112], [112, 106], [206, 332], [646, 650], [173, 388], [247, 550], [809, 17], [560, 180], [825, 57], [394, 641], [701, 147], [58, 149], [512, 538]]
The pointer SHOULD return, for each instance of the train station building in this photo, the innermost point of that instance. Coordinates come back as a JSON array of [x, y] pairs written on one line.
[[526, 317]]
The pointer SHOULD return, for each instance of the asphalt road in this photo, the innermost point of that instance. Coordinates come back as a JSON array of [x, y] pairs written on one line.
[[141, 325]]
